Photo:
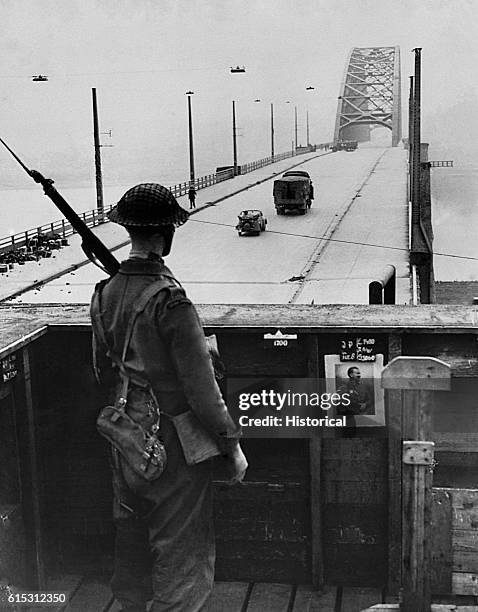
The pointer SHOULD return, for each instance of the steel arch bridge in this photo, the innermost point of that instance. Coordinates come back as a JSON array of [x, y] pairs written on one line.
[[370, 94]]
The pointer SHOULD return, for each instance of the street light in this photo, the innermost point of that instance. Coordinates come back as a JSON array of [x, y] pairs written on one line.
[[308, 137], [96, 136], [234, 137], [191, 150], [272, 131]]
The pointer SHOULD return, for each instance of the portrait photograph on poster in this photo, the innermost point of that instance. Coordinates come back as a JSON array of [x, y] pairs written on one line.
[[361, 382]]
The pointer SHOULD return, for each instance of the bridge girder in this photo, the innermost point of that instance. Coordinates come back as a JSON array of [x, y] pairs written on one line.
[[370, 94]]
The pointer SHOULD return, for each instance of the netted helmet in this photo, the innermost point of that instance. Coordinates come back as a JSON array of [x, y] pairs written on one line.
[[148, 205]]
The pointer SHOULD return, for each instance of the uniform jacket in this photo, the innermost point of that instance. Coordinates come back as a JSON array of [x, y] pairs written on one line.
[[168, 349]]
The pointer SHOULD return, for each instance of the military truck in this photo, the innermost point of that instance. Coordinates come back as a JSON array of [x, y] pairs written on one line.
[[293, 193], [345, 145]]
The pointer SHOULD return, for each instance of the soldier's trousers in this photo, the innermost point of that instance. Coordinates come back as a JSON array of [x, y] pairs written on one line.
[[165, 539]]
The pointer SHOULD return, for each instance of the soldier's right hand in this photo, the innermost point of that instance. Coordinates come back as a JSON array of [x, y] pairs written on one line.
[[237, 465]]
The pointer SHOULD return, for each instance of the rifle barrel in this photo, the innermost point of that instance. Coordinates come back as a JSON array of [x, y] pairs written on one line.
[[92, 245], [16, 157], [91, 241]]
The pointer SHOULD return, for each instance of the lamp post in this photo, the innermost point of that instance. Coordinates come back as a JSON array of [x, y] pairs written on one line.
[[272, 131], [234, 138], [308, 88], [191, 146], [295, 126], [96, 136], [308, 139]]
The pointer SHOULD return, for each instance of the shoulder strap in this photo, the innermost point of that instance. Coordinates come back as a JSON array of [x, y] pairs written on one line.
[[147, 294], [144, 297]]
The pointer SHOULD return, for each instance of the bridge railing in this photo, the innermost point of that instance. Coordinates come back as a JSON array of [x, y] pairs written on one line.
[[92, 218], [62, 228]]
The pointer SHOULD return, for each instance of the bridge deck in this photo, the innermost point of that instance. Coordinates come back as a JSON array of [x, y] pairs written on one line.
[[360, 198]]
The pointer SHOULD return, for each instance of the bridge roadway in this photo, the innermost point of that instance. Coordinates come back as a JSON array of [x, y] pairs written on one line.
[[360, 198]]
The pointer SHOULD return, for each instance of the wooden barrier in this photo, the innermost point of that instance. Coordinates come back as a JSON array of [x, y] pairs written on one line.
[[314, 511], [425, 563]]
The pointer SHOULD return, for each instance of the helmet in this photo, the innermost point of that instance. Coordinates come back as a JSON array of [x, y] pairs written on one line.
[[148, 205]]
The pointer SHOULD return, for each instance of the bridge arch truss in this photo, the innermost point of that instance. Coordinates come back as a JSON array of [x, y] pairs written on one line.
[[370, 94]]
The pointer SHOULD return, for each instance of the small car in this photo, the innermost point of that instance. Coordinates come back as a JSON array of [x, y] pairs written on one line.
[[297, 173], [251, 222]]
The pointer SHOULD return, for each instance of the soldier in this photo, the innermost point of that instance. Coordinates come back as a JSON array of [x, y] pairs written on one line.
[[164, 531], [192, 197], [360, 398]]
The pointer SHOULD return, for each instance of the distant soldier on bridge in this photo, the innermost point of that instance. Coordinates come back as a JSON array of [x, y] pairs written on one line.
[[192, 197]]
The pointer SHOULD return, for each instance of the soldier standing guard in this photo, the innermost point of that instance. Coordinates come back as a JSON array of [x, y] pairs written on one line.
[[192, 197], [164, 533]]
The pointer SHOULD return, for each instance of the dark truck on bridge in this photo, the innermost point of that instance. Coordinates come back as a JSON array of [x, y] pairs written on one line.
[[293, 191], [345, 145]]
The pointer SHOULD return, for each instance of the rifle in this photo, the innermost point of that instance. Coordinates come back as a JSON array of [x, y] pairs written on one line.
[[92, 246]]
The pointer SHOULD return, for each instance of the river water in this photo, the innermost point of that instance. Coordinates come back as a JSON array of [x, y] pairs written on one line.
[[455, 221], [24, 209]]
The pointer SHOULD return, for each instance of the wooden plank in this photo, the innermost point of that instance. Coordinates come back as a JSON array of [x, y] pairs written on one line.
[[351, 450], [116, 606], [18, 321], [383, 608], [91, 596], [269, 597], [356, 492], [393, 403], [418, 378], [424, 373], [434, 608], [356, 598], [464, 498], [465, 540], [355, 471], [464, 583], [229, 596], [463, 442], [441, 552], [315, 450], [465, 519], [68, 584], [315, 466], [465, 561], [461, 498], [307, 599], [416, 505], [34, 474]]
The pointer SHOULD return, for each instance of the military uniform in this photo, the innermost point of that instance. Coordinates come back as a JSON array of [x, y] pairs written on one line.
[[165, 538]]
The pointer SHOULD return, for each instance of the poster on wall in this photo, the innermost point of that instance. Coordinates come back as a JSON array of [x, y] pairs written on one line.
[[359, 383]]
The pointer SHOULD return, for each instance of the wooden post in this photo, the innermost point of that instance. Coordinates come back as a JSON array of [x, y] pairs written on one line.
[[393, 398], [96, 136], [35, 477], [418, 378], [315, 457]]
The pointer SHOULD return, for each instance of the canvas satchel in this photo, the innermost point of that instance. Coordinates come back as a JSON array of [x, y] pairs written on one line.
[[143, 450]]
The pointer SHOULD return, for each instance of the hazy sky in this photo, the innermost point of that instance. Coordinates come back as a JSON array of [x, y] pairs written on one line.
[[142, 56]]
